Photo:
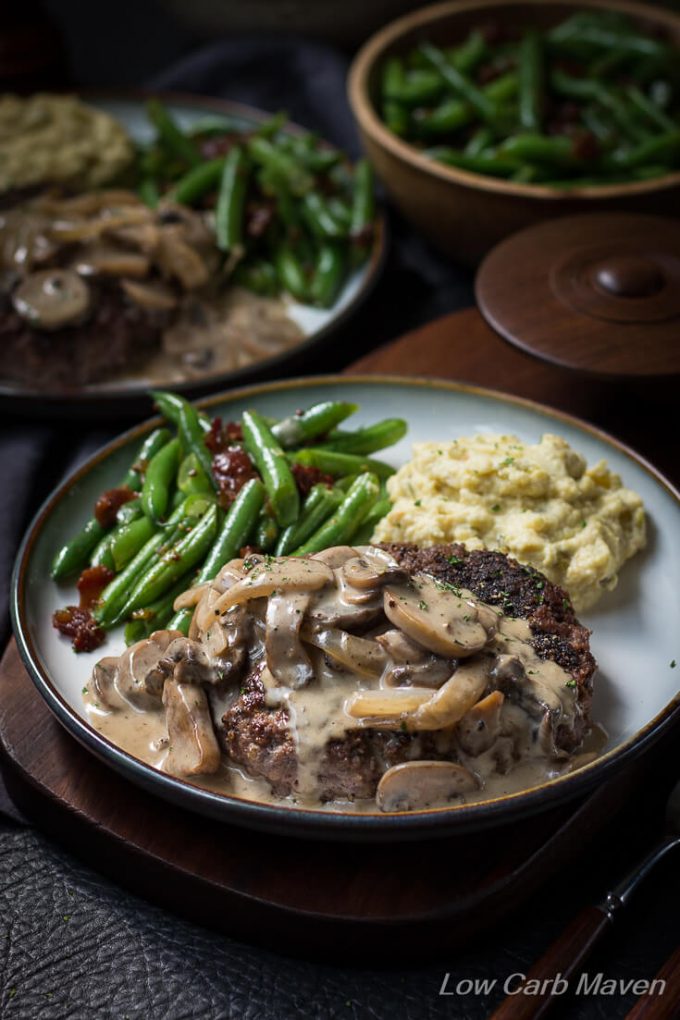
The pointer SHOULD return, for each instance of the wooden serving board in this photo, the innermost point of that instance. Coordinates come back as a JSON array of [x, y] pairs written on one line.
[[320, 896]]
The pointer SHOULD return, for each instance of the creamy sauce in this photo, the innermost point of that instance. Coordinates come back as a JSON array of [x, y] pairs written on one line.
[[496, 714]]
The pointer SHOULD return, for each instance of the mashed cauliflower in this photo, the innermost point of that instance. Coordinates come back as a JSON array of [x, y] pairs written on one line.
[[540, 503]]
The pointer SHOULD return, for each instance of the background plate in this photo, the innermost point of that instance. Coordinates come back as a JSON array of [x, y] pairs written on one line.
[[634, 639], [317, 324]]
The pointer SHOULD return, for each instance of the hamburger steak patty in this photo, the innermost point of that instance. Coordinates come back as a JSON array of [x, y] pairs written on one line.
[[258, 739]]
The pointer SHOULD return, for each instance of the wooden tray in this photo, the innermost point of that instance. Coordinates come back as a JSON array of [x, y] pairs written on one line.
[[320, 896]]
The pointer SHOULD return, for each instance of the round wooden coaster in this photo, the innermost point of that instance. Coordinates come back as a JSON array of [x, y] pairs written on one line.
[[594, 293]]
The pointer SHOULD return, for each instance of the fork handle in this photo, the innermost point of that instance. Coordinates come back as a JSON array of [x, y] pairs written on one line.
[[557, 964]]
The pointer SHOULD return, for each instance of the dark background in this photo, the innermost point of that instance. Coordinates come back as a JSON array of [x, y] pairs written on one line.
[[71, 943]]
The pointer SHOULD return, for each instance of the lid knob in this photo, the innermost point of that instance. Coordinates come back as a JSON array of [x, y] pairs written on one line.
[[628, 276]]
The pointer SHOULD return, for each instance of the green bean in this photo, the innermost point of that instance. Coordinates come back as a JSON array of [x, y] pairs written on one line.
[[230, 208], [196, 504], [328, 276], [211, 126], [271, 462], [479, 142], [319, 218], [445, 118], [379, 510], [315, 421], [129, 511], [170, 406], [413, 88], [157, 615], [482, 164], [291, 274], [192, 434], [149, 193], [185, 554], [319, 505], [583, 88], [282, 165], [235, 531], [466, 57], [257, 275], [73, 556], [128, 540], [531, 81], [342, 525], [266, 531], [363, 202], [160, 475], [101, 554], [396, 117], [113, 596], [339, 464], [573, 36], [170, 134], [650, 109], [191, 478], [461, 84], [367, 440], [197, 182], [502, 89], [272, 125], [555, 150], [664, 148]]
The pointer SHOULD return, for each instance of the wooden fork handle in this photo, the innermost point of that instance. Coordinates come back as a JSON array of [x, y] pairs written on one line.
[[552, 972]]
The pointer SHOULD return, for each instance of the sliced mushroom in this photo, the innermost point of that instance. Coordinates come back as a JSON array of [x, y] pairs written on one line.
[[142, 672], [457, 696], [287, 660], [82, 230], [371, 571], [179, 260], [442, 620], [416, 785], [105, 260], [193, 748], [411, 663], [282, 574], [102, 684], [336, 556], [52, 298], [153, 296], [356, 654], [479, 728], [388, 707], [329, 608]]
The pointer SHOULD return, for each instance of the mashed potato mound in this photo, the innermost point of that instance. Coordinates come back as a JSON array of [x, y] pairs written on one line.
[[540, 503]]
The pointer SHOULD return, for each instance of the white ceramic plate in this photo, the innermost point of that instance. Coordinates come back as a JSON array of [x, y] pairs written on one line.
[[316, 324], [635, 635]]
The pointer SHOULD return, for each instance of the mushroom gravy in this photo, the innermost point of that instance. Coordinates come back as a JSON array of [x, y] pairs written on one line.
[[343, 643]]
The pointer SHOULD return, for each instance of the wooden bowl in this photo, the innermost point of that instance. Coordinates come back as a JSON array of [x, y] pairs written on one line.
[[466, 214]]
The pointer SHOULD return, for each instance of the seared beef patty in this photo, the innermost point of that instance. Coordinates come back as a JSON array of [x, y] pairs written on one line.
[[256, 737], [115, 336]]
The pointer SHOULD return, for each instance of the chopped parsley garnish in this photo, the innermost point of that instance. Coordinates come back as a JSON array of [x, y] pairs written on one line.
[[570, 683], [417, 502], [495, 508], [453, 560], [673, 663], [422, 604], [507, 462]]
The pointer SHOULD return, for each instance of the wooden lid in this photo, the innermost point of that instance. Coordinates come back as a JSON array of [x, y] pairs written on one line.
[[598, 293]]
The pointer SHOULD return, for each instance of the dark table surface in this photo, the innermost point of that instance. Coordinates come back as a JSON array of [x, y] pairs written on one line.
[[74, 945]]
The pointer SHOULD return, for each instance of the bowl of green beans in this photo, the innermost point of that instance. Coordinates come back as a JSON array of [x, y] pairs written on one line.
[[482, 117]]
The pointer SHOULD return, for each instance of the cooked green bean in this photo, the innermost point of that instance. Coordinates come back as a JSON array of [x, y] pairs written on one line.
[[315, 421], [379, 510], [230, 208], [236, 530], [363, 205], [170, 134], [73, 556], [461, 84], [160, 475], [342, 525], [184, 555], [170, 406], [339, 464], [192, 479], [266, 532], [492, 165], [281, 165], [291, 274], [531, 81], [128, 540], [157, 615], [319, 219], [194, 185], [367, 440], [317, 508], [328, 275], [271, 462]]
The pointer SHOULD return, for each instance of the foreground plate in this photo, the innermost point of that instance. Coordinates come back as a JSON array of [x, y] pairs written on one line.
[[129, 392], [635, 638]]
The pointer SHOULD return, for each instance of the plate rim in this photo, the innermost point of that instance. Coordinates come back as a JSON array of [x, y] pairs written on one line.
[[13, 394], [441, 821]]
